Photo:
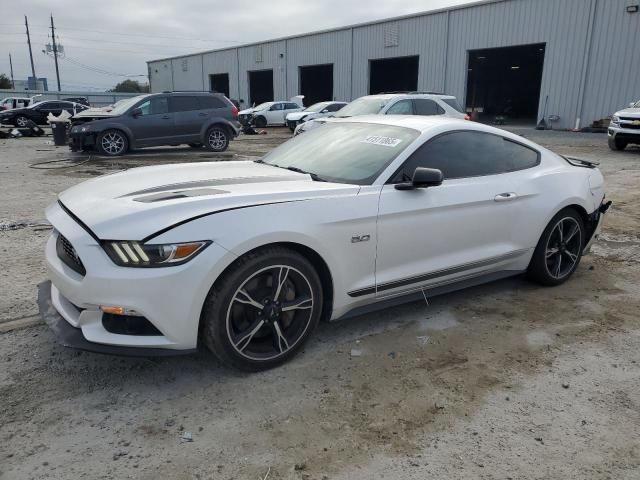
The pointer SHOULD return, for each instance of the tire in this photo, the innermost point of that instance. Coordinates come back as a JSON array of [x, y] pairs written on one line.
[[260, 122], [195, 145], [559, 250], [617, 145], [21, 121], [217, 139], [112, 143], [249, 338]]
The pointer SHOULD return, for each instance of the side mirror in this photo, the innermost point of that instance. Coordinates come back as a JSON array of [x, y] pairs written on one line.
[[136, 112], [422, 178], [326, 110]]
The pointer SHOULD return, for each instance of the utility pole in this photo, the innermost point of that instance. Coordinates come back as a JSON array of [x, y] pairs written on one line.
[[55, 51], [13, 83], [33, 68]]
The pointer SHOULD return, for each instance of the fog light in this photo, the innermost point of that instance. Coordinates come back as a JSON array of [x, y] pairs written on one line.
[[118, 310]]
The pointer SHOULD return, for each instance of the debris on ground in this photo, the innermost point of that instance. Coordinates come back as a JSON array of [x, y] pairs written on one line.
[[186, 437], [356, 353]]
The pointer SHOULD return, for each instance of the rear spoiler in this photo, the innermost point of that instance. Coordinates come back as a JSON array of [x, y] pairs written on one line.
[[579, 162]]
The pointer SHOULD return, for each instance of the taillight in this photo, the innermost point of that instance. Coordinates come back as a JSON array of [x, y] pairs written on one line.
[[467, 117], [234, 112]]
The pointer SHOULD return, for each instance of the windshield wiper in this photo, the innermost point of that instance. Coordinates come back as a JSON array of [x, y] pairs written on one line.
[[314, 176]]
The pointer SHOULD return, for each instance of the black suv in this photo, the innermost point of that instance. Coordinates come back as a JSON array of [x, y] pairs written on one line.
[[171, 118]]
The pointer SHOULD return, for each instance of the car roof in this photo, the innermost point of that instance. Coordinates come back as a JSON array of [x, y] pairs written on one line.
[[390, 96], [424, 123]]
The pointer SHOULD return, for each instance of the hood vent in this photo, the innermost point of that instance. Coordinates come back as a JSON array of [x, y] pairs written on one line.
[[165, 196]]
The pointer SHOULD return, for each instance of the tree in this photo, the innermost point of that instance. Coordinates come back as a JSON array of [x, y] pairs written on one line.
[[131, 86], [5, 82]]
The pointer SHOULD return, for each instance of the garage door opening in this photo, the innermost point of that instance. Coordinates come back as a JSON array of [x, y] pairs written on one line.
[[316, 83], [219, 83], [393, 75], [506, 82], [260, 87]]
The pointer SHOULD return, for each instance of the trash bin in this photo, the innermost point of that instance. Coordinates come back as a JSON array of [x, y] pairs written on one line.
[[59, 130]]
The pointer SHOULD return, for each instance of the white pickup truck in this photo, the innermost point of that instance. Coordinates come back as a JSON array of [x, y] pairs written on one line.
[[625, 127]]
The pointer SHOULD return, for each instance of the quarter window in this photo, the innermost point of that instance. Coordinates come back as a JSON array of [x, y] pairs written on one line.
[[334, 107], [184, 104], [209, 103], [469, 154], [427, 107]]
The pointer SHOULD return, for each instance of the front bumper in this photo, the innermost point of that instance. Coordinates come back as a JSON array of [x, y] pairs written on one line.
[[79, 141], [70, 336], [170, 298], [630, 135]]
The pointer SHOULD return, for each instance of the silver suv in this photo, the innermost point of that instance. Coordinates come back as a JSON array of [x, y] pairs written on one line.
[[198, 119], [405, 103]]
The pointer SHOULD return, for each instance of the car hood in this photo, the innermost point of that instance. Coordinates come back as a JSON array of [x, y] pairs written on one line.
[[295, 116], [137, 203], [13, 111], [631, 112], [247, 111]]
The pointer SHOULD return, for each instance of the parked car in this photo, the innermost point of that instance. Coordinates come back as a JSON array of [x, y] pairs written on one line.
[[81, 100], [14, 102], [317, 110], [625, 127], [171, 118], [38, 112], [247, 257], [410, 103], [270, 113]]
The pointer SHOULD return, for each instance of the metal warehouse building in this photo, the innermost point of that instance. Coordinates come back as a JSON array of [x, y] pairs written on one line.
[[576, 59]]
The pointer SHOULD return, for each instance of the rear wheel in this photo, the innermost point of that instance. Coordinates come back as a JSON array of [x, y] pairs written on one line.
[[260, 122], [112, 143], [559, 250], [615, 144], [259, 314], [217, 139]]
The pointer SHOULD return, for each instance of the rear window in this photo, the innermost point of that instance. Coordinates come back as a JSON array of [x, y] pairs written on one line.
[[183, 104], [453, 103]]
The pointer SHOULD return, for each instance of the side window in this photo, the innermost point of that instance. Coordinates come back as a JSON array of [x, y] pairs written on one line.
[[334, 107], [292, 106], [276, 107], [184, 104], [468, 154], [155, 106], [427, 107], [403, 107]]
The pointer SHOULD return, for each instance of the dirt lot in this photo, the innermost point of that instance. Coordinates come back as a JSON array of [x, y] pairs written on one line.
[[507, 380]]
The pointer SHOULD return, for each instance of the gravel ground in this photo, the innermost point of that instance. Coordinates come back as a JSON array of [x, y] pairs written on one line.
[[507, 380]]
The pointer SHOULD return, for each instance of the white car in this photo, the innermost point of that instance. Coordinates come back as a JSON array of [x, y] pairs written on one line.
[[269, 113], [413, 103], [317, 110], [10, 103], [625, 127], [247, 257]]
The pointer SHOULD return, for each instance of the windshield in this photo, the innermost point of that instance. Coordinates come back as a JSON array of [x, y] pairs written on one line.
[[262, 106], [122, 106], [317, 107], [354, 153], [363, 106], [637, 105]]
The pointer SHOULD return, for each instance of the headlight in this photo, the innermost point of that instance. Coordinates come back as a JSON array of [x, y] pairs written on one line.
[[615, 120], [135, 254]]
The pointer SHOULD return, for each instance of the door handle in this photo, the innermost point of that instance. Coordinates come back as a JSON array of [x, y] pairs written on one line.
[[166, 117], [506, 197], [202, 114]]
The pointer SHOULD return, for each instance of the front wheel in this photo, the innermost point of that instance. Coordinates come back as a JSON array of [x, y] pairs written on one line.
[[112, 143], [559, 250], [259, 314], [260, 122], [21, 121], [217, 139], [615, 144]]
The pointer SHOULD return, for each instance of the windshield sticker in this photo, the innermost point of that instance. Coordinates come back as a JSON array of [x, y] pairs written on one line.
[[382, 141]]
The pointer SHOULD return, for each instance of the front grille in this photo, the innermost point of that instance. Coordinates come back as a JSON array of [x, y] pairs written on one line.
[[629, 126], [292, 124], [69, 256]]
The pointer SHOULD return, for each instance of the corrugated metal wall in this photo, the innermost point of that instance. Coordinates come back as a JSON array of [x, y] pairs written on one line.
[[591, 66], [613, 74]]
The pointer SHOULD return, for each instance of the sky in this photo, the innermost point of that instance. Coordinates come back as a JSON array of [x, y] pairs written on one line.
[[106, 42]]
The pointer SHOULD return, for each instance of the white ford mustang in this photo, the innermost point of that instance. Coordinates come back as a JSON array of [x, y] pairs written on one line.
[[247, 257]]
